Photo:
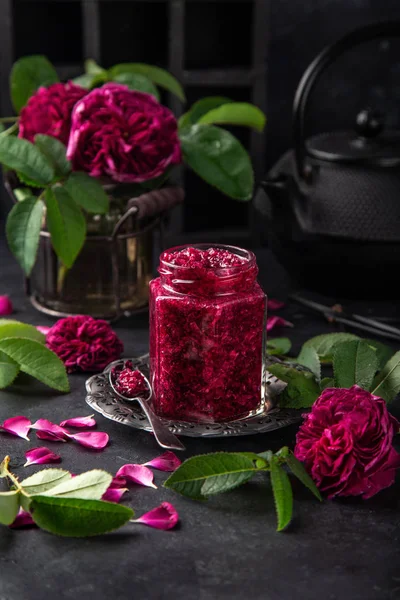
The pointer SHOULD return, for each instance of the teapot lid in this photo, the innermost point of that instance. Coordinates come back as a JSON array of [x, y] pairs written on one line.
[[368, 144]]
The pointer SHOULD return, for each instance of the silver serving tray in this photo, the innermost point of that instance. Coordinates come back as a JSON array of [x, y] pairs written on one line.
[[101, 398]]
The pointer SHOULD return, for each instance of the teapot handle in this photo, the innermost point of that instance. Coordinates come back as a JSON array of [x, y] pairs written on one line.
[[315, 70]]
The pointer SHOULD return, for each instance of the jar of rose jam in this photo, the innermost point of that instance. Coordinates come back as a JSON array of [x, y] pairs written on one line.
[[207, 334]]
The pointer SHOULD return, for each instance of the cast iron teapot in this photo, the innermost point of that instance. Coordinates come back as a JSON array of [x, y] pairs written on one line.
[[331, 206]]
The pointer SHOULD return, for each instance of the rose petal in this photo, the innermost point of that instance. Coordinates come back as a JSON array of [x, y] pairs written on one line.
[[46, 430], [41, 456], [43, 329], [275, 321], [138, 474], [19, 426], [23, 519], [50, 437], [163, 517], [113, 494], [79, 422], [166, 462], [118, 482], [274, 304], [6, 307], [95, 440]]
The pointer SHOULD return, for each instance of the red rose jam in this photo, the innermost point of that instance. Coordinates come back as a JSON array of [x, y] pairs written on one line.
[[130, 383], [207, 316]]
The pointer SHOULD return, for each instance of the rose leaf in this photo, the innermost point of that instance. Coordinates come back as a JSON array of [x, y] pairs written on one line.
[[27, 75], [76, 517], [283, 496], [354, 363], [218, 158]]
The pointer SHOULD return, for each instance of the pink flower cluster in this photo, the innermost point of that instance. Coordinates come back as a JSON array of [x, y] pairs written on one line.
[[345, 443], [111, 131], [84, 343]]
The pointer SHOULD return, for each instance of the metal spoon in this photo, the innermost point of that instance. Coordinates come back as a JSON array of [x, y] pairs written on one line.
[[164, 437]]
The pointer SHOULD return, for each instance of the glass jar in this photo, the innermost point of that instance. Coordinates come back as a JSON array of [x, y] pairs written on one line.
[[207, 339]]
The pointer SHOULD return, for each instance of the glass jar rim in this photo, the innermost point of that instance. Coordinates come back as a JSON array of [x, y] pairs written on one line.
[[248, 255]]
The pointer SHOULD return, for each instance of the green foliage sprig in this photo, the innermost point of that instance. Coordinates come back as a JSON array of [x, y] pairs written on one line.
[[203, 476], [62, 504], [349, 360], [22, 348]]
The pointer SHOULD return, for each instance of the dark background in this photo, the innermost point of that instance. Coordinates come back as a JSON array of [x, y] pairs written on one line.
[[252, 50]]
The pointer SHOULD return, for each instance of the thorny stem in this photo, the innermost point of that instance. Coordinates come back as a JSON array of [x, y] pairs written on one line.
[[12, 477], [8, 119]]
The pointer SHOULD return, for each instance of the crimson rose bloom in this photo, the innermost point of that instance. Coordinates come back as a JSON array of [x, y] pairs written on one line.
[[122, 134], [49, 111], [345, 443], [84, 343]]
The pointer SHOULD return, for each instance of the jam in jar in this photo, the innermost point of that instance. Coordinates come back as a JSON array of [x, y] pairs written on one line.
[[207, 334]]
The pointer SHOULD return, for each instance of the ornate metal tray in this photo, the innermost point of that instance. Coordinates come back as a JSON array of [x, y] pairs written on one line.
[[102, 399]]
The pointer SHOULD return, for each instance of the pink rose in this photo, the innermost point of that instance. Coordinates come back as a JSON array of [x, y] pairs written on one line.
[[122, 134], [49, 111], [84, 343], [345, 443]]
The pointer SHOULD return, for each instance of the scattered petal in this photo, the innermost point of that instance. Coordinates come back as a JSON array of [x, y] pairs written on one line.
[[164, 517], [114, 494], [95, 440], [43, 329], [41, 456], [23, 519], [274, 304], [46, 430], [274, 321], [19, 426], [51, 437], [79, 422], [138, 474], [166, 462], [118, 482], [6, 307]]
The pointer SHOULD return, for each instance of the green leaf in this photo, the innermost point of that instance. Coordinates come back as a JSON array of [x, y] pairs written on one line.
[[9, 506], [4, 467], [308, 357], [383, 352], [56, 153], [92, 68], [208, 474], [26, 159], [37, 360], [10, 328], [155, 74], [299, 471], [134, 81], [354, 363], [23, 227], [219, 158], [90, 485], [387, 383], [87, 192], [88, 81], [278, 346], [2, 128], [27, 75], [74, 517], [302, 389], [200, 108], [327, 382], [324, 344], [66, 224], [9, 369], [236, 113], [44, 480], [22, 194], [283, 495]]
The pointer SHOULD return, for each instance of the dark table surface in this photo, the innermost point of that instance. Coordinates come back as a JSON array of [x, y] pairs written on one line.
[[225, 548]]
